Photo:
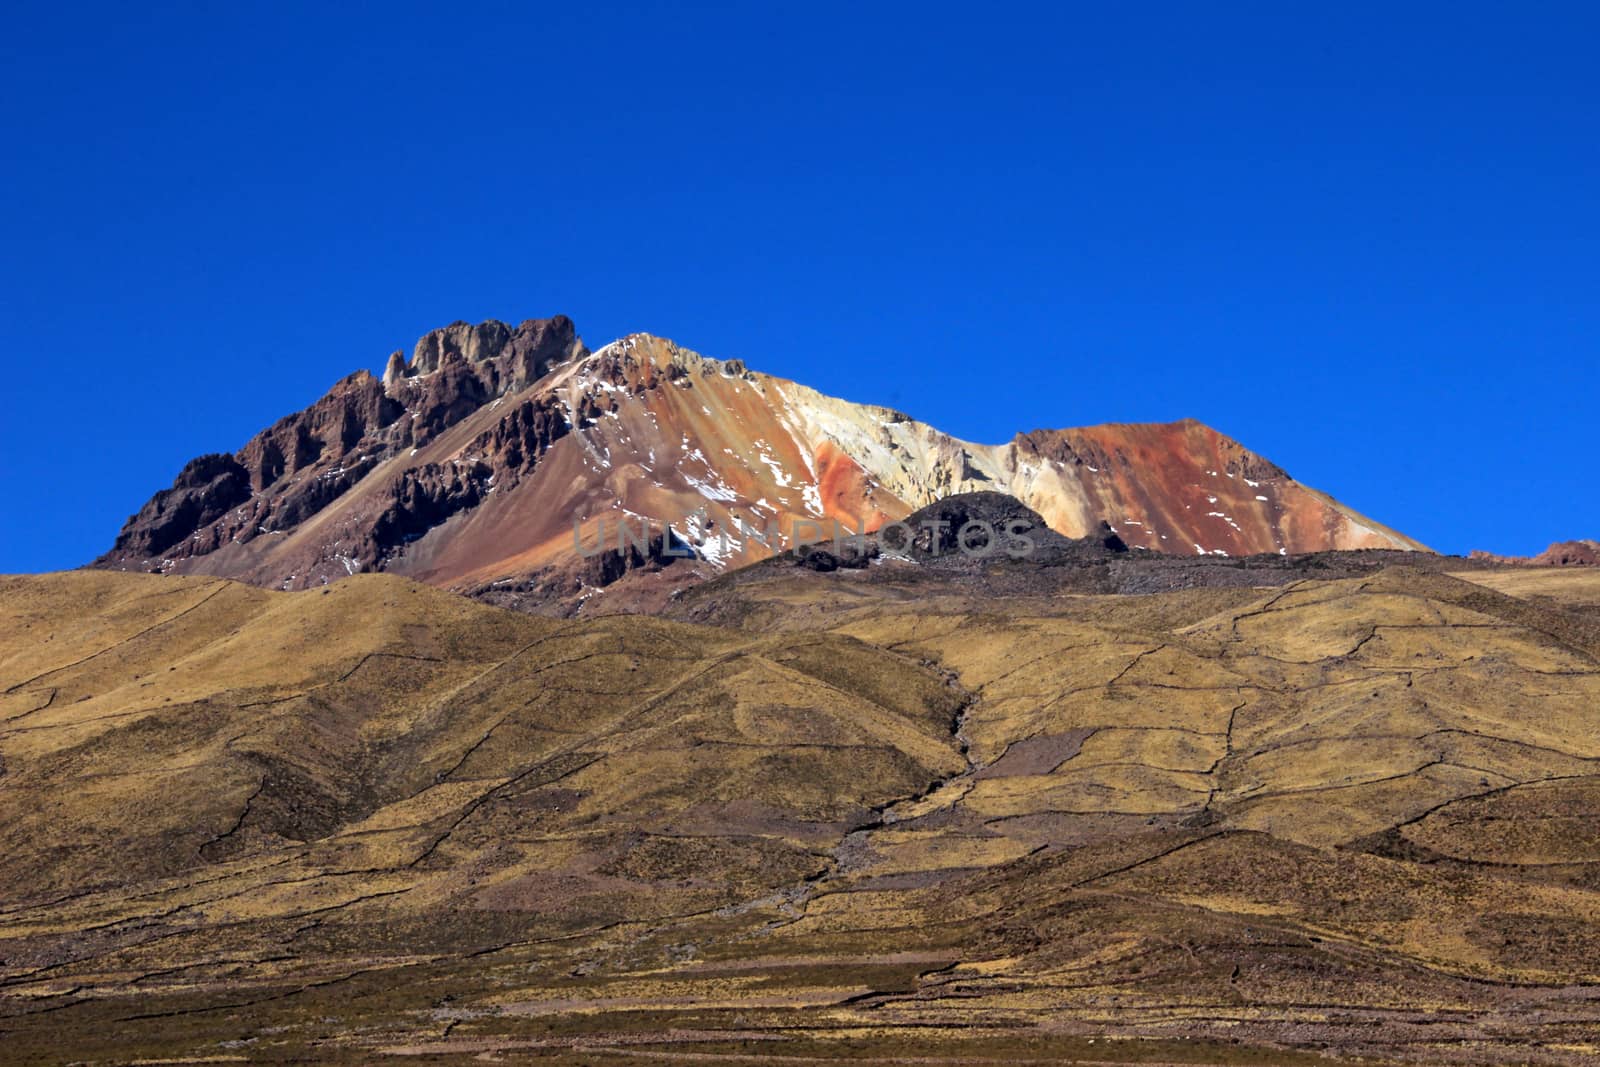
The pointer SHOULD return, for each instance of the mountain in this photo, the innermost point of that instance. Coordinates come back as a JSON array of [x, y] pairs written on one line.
[[917, 812], [496, 457]]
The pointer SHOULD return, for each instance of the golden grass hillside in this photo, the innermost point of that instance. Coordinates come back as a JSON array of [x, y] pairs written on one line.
[[878, 821]]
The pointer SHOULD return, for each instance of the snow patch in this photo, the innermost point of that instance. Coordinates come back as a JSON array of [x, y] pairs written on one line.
[[779, 475], [813, 499], [717, 490]]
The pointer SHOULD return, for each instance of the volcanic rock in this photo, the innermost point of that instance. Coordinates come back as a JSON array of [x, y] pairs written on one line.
[[1583, 553], [481, 462]]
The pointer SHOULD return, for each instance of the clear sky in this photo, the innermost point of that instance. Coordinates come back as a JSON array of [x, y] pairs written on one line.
[[1361, 239]]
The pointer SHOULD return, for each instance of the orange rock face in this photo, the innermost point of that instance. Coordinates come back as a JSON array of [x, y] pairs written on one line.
[[1183, 488], [498, 458]]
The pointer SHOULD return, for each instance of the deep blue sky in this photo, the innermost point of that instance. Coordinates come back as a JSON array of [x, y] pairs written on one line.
[[1361, 240]]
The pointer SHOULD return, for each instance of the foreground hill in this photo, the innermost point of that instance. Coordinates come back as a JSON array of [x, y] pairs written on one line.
[[898, 813], [469, 465]]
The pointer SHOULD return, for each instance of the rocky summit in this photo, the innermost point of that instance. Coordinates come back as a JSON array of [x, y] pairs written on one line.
[[484, 462]]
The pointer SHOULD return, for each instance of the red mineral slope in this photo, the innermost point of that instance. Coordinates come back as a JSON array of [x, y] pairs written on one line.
[[1182, 487], [485, 461]]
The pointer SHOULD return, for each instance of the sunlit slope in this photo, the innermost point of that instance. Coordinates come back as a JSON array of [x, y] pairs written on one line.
[[1323, 713], [1572, 588], [385, 734], [1352, 815], [487, 460]]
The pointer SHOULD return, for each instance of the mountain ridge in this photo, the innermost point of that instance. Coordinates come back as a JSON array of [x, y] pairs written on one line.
[[493, 450]]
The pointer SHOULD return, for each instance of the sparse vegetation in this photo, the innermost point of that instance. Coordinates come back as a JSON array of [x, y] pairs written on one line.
[[881, 821]]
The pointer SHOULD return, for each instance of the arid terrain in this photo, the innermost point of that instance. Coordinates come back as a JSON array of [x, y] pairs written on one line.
[[1111, 809], [350, 750]]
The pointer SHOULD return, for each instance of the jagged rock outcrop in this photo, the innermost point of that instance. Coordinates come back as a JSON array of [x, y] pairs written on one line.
[[522, 437], [204, 491], [298, 467], [354, 410], [395, 369], [511, 358], [1570, 554], [1582, 553]]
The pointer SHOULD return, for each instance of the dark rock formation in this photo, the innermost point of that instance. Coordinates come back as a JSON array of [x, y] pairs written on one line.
[[847, 553], [520, 438], [355, 409], [295, 468], [663, 549], [204, 491], [979, 524]]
